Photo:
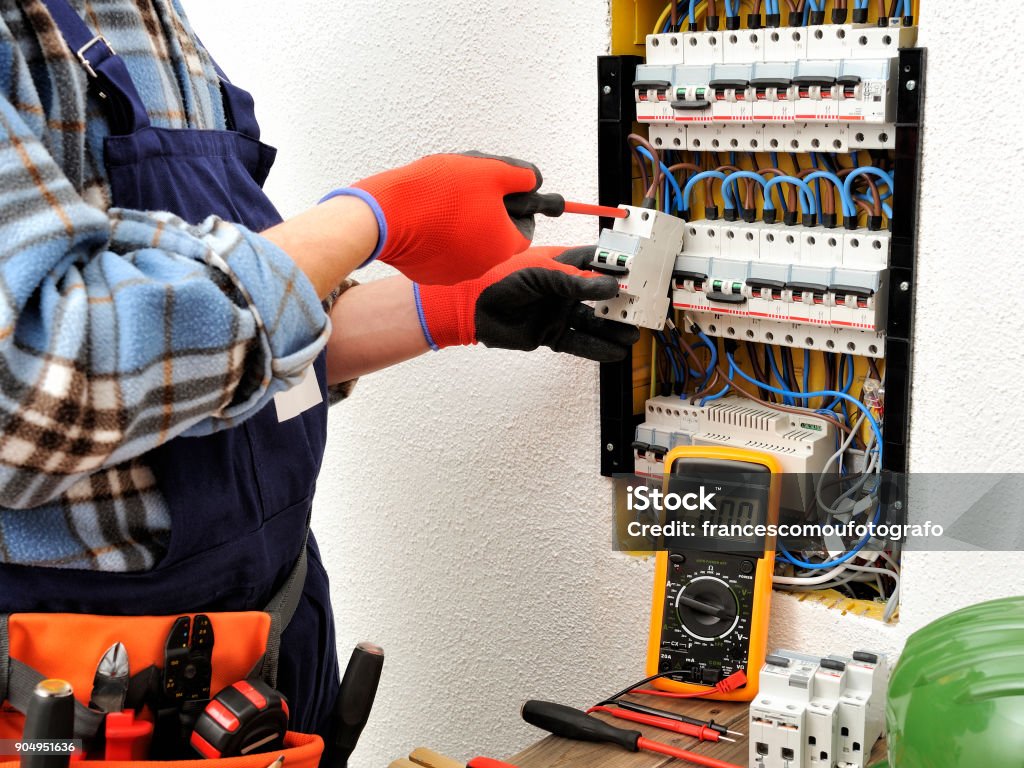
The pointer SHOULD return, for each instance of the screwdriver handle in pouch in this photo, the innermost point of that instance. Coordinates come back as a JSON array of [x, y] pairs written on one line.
[[355, 699], [570, 723], [50, 715]]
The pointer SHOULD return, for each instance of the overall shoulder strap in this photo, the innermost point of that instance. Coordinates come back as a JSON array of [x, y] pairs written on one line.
[[281, 608], [103, 66], [239, 107]]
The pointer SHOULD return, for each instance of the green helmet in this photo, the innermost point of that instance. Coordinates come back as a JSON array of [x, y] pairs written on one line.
[[956, 697]]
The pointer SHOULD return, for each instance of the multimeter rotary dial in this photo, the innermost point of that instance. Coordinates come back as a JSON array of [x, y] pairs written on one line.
[[707, 608]]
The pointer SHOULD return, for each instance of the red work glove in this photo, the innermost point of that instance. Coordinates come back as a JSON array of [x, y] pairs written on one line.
[[530, 300], [443, 218]]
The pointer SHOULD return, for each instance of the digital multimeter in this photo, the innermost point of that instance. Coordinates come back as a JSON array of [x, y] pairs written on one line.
[[713, 578]]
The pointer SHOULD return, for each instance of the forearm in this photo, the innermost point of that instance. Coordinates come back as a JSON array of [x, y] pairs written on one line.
[[329, 241], [375, 325]]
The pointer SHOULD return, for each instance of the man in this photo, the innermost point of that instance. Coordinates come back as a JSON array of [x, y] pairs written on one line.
[[168, 345]]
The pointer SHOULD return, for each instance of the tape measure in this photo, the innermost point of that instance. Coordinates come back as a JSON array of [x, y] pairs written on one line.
[[713, 581], [246, 717]]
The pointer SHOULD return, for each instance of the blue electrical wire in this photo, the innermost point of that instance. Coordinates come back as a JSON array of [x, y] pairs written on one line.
[[778, 377], [849, 208], [668, 177], [714, 353], [807, 202], [692, 16], [677, 372], [732, 177], [823, 393], [862, 170], [807, 369], [693, 180], [721, 393]]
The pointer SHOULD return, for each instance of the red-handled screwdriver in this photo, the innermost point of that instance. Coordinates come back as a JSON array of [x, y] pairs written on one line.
[[701, 732], [530, 203], [570, 723]]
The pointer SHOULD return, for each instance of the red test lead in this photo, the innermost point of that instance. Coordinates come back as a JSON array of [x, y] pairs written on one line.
[[701, 732], [570, 723]]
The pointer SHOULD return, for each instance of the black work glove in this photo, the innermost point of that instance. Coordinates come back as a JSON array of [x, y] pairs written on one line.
[[531, 300]]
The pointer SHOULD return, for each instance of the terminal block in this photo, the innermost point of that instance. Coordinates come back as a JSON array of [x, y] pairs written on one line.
[[800, 442], [640, 252]]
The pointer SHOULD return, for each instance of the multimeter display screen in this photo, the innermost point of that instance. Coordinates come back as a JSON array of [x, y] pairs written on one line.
[[728, 501]]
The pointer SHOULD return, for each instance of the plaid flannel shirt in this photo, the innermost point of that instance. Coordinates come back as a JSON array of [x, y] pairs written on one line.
[[101, 355]]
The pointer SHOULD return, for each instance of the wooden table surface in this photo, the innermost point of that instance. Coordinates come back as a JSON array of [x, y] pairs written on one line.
[[553, 752]]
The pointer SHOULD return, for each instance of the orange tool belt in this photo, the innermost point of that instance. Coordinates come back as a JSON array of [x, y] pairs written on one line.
[[36, 646]]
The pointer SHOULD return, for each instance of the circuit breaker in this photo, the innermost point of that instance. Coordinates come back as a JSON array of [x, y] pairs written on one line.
[[818, 712]]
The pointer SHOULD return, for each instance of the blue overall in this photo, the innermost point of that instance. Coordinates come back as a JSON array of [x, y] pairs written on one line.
[[239, 499]]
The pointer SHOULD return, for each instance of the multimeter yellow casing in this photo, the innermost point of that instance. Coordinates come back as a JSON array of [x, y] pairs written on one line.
[[692, 627]]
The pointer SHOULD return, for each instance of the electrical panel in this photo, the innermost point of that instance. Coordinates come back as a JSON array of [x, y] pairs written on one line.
[[788, 149], [813, 712]]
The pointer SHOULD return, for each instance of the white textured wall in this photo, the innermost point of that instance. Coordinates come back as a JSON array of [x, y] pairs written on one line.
[[460, 508]]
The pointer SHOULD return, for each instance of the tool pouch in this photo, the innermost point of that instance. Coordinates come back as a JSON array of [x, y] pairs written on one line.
[[36, 646]]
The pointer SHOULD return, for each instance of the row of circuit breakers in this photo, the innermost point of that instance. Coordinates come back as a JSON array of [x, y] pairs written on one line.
[[828, 88]]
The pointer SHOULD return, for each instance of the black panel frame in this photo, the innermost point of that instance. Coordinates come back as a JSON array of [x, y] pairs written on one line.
[[616, 115]]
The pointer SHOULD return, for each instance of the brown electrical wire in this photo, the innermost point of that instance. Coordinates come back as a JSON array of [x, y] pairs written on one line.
[[684, 167], [711, 387], [828, 204], [757, 6], [873, 368], [844, 172], [881, 9], [792, 6], [865, 206], [758, 371], [674, 15], [641, 163], [655, 162], [750, 396], [790, 193], [748, 189]]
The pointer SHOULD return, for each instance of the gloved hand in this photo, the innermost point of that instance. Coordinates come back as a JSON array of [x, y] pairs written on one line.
[[530, 300], [443, 218]]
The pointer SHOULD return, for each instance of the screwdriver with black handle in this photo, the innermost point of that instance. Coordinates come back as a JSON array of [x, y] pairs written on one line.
[[570, 723], [355, 699], [523, 204], [50, 716]]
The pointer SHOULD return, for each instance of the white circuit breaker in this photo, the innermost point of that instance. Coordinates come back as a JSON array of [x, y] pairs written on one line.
[[640, 252], [815, 712]]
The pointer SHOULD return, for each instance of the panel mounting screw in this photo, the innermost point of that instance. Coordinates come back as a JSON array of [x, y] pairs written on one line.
[[911, 85], [904, 286], [606, 90], [610, 447], [897, 505]]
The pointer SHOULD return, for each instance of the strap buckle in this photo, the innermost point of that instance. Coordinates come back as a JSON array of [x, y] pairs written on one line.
[[85, 62]]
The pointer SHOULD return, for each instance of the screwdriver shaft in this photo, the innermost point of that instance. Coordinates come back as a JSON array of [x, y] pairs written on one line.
[[595, 210]]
